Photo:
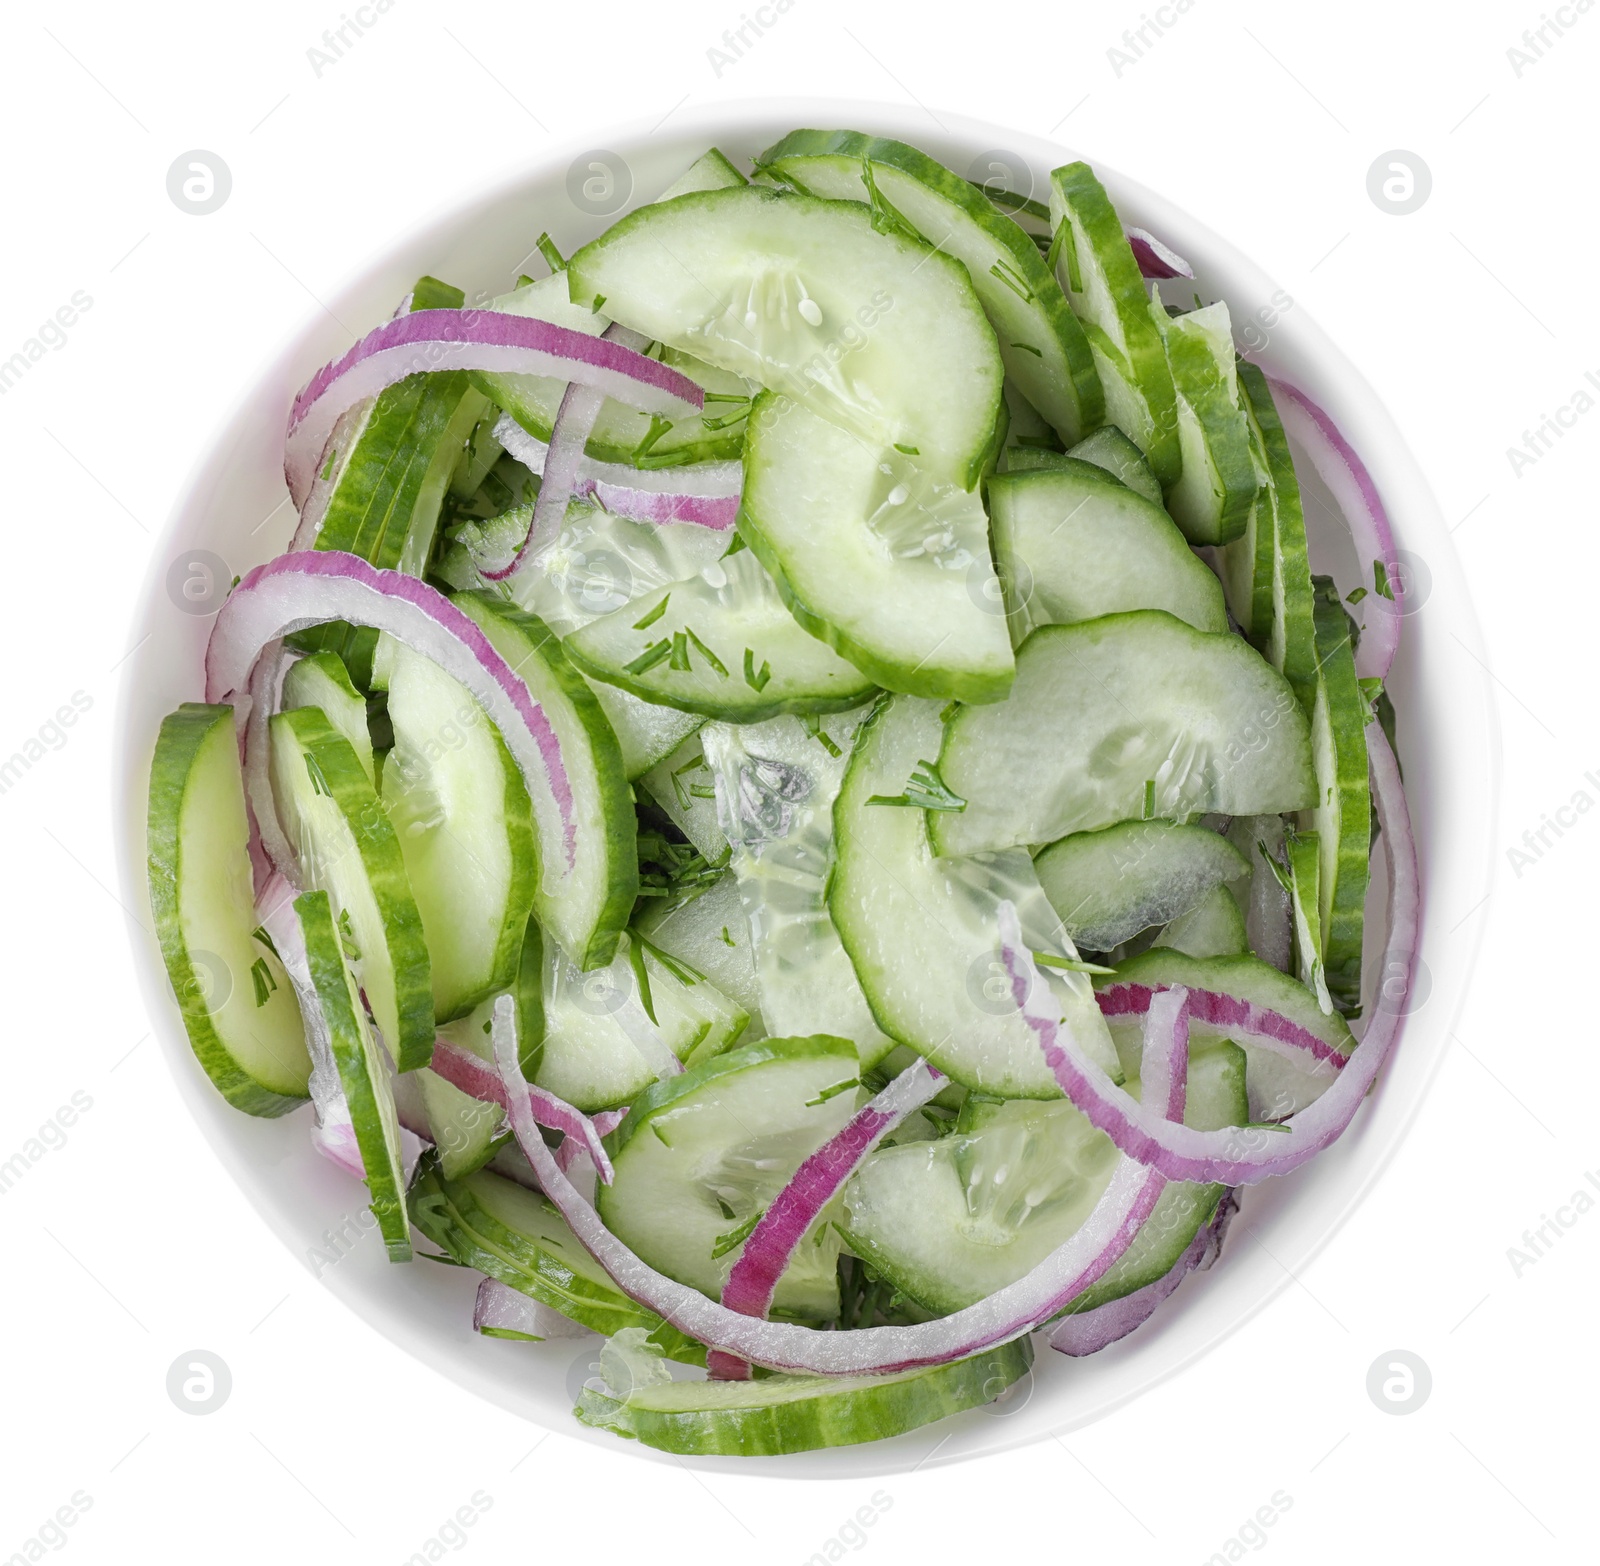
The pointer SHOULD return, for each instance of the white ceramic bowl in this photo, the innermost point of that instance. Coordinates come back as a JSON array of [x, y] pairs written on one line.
[[1448, 746]]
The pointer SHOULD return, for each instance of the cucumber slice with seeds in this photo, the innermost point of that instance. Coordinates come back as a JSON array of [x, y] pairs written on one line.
[[702, 1154], [1096, 268], [922, 933], [1041, 342], [1110, 885], [1074, 547], [1127, 716], [775, 1415], [709, 933], [363, 1072], [236, 1001], [347, 847], [722, 644]]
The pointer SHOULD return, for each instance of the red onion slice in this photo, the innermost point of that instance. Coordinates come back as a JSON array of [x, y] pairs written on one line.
[[1093, 1330], [1356, 495], [1245, 1155], [500, 1308], [703, 493], [462, 1069], [471, 340], [772, 1243], [1242, 1020], [1155, 259], [312, 587], [1008, 1313]]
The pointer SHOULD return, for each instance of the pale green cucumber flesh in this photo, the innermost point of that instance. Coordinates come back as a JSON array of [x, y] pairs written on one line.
[[461, 813], [703, 1153], [710, 933], [586, 901], [922, 933], [347, 846], [1074, 548], [1041, 342], [1212, 498], [950, 1221], [874, 331], [507, 1232], [1109, 885], [1214, 927], [722, 644], [322, 680], [775, 1415], [681, 785], [363, 1072], [890, 569], [710, 171], [1110, 449], [781, 780], [1304, 853], [1109, 720], [245, 1030]]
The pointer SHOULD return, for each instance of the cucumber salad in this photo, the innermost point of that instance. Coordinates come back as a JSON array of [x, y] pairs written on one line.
[[797, 799]]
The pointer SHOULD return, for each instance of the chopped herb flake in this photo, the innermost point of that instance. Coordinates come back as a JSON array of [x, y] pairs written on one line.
[[833, 1091], [734, 1237], [926, 790], [547, 248], [1028, 348], [1013, 280], [705, 652], [264, 982], [680, 653], [756, 682], [654, 615], [656, 652]]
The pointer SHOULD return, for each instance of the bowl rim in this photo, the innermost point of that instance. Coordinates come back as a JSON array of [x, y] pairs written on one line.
[[1465, 791]]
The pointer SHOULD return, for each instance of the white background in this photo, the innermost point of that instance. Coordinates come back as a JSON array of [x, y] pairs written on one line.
[[128, 1245]]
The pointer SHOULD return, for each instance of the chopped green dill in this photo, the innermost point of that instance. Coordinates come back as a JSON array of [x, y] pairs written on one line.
[[599, 300], [705, 652], [886, 217], [260, 934], [1264, 1125], [728, 940], [1029, 348], [1069, 964], [833, 1091], [908, 451], [734, 548], [347, 938], [641, 976], [265, 984], [813, 722], [702, 791], [726, 1242], [1355, 595], [926, 790], [726, 420], [1149, 798], [680, 653], [658, 427], [1380, 574], [1013, 280], [756, 682], [656, 652], [949, 710], [546, 247], [680, 970], [654, 615]]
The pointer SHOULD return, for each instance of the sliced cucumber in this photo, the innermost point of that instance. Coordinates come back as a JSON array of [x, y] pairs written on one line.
[[1041, 342], [1074, 547], [462, 816], [620, 434], [1303, 881], [1245, 565], [710, 171], [1265, 902], [874, 331], [323, 681], [1109, 885], [1110, 449], [1026, 430], [1131, 715], [681, 786], [586, 906], [710, 933], [1097, 269], [721, 643], [885, 565], [922, 933], [949, 1222], [1288, 637], [235, 999], [1211, 500], [511, 1233], [778, 782], [347, 847], [1214, 927], [702, 1154], [612, 1032], [363, 1072], [1278, 1085], [774, 1415], [1342, 816]]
